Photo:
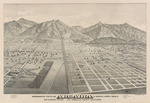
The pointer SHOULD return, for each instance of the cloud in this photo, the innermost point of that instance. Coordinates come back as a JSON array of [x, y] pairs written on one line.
[[25, 13], [80, 14]]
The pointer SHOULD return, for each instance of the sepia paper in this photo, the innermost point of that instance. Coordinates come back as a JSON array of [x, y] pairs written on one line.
[[73, 51]]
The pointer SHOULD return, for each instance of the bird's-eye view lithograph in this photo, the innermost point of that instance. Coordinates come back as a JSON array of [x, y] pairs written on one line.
[[74, 48]]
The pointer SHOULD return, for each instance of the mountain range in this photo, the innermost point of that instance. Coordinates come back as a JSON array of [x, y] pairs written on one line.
[[56, 29], [121, 31], [15, 28]]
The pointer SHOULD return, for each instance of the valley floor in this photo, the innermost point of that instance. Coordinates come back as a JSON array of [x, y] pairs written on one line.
[[63, 67]]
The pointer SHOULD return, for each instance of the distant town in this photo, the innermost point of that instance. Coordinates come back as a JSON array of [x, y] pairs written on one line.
[[55, 58]]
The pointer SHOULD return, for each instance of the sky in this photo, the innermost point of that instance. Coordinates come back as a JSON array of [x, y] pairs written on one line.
[[79, 14]]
